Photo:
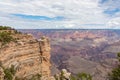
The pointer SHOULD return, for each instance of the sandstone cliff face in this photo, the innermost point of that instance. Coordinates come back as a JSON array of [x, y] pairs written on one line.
[[28, 55]]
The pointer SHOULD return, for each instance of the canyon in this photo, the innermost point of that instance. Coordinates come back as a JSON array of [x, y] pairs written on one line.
[[31, 53], [90, 51]]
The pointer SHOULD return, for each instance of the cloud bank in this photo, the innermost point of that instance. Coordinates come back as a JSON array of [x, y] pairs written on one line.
[[57, 14]]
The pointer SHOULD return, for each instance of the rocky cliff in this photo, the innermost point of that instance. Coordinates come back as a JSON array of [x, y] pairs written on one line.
[[28, 55]]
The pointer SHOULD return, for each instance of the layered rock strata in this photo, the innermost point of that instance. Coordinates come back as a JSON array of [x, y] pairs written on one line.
[[28, 55]]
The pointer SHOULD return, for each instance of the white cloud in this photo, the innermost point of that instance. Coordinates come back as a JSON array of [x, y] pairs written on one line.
[[76, 13], [114, 23]]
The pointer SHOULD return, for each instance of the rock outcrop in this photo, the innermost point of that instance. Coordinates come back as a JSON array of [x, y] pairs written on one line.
[[63, 75], [28, 55]]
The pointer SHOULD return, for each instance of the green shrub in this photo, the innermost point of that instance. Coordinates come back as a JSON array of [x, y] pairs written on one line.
[[17, 32], [84, 76], [5, 38], [73, 77], [115, 74], [9, 73], [36, 77], [5, 28]]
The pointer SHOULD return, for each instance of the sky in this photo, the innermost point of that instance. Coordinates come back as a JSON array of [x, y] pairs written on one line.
[[60, 14]]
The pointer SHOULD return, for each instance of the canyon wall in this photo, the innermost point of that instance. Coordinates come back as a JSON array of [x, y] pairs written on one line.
[[28, 55]]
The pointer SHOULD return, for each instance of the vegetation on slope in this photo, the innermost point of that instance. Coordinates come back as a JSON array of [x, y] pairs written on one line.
[[5, 38], [5, 28], [64, 75], [9, 73], [115, 74], [6, 35]]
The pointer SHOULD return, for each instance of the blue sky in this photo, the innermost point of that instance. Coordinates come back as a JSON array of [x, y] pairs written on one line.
[[57, 14], [33, 17]]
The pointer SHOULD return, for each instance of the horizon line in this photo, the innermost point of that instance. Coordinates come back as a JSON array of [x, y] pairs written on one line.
[[65, 29]]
